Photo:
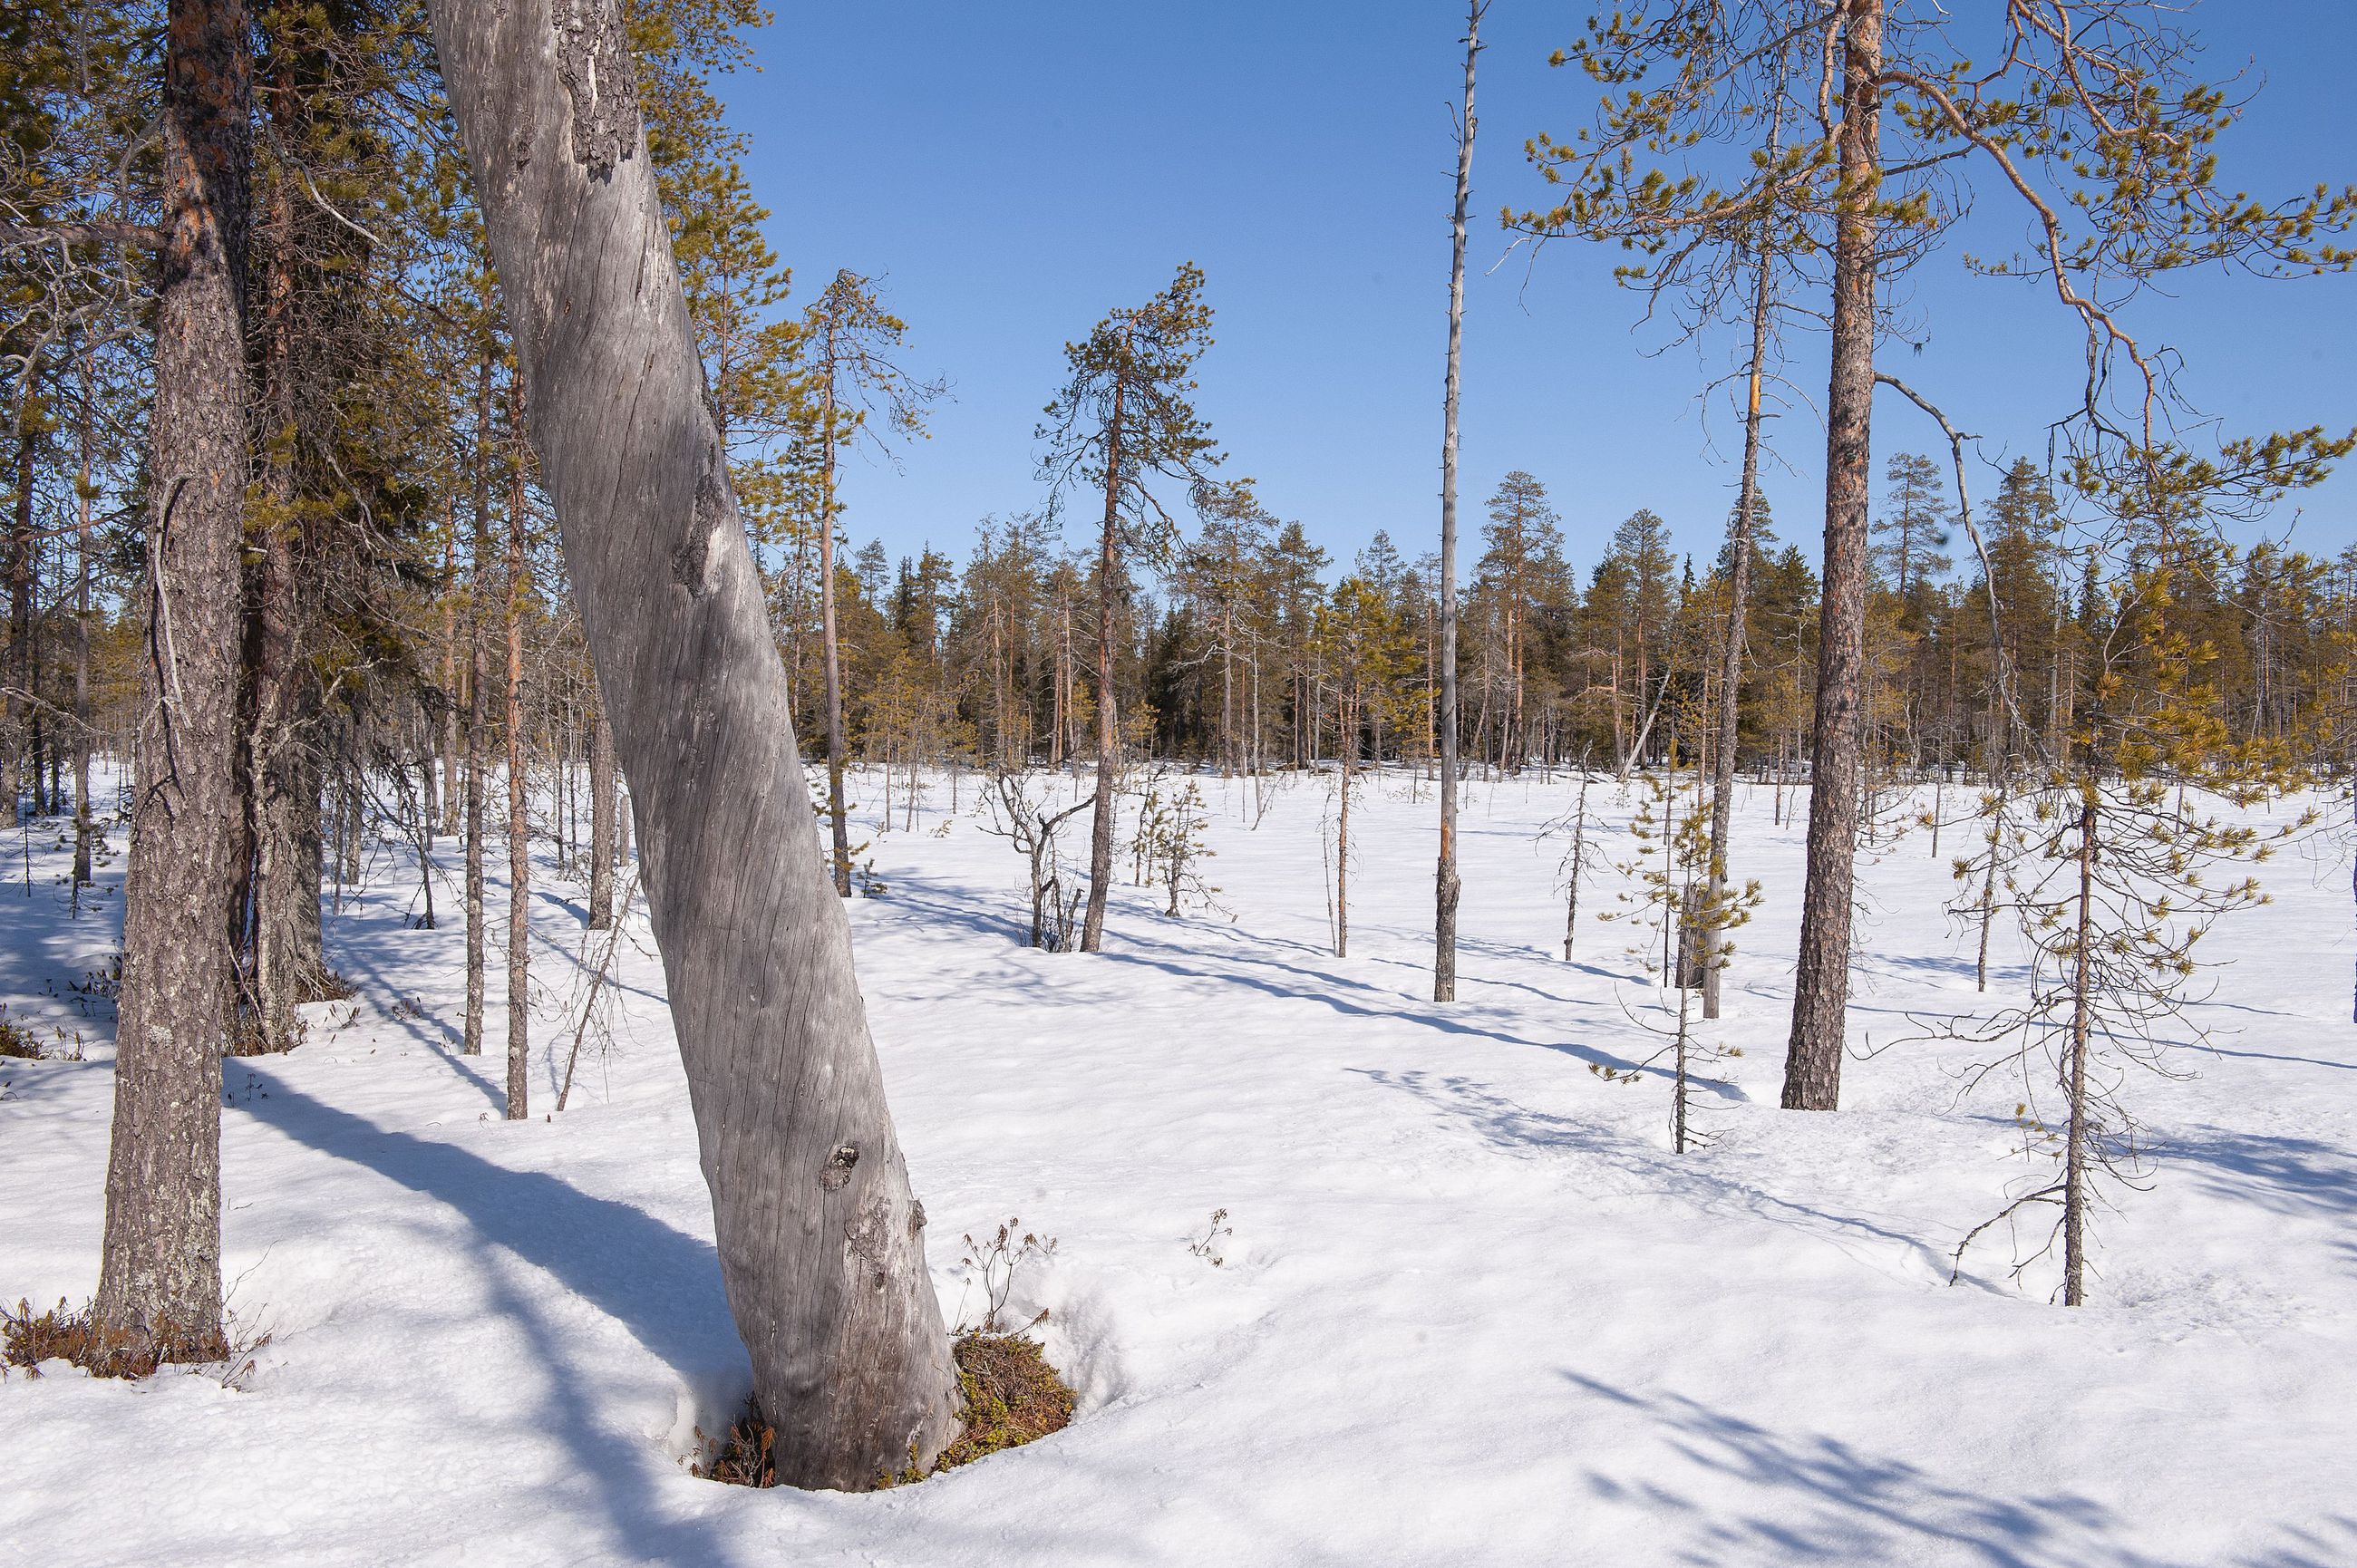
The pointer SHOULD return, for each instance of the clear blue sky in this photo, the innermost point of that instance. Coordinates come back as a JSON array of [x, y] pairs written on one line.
[[1015, 170]]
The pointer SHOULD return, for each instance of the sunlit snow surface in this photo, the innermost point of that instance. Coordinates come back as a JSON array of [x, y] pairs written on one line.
[[1473, 1310]]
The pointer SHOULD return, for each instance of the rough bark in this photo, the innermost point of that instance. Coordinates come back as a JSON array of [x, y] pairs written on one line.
[[159, 1271], [821, 1242], [1813, 1058], [1447, 885]]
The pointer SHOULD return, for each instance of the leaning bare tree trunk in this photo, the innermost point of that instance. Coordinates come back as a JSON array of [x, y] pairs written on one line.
[[1447, 885], [1821, 983], [159, 1273], [820, 1240]]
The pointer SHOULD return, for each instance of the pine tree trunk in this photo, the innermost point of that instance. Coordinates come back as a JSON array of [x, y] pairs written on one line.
[[271, 673], [159, 1273], [820, 1240], [1813, 1060], [1447, 887], [601, 819]]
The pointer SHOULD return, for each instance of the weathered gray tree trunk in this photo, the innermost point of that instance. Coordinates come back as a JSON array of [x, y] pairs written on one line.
[[1813, 1059], [821, 1242], [1447, 885], [159, 1271]]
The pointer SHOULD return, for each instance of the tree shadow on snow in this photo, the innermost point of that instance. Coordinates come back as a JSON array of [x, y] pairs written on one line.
[[1248, 962], [1690, 1178], [1815, 1498], [2293, 1176], [660, 1284]]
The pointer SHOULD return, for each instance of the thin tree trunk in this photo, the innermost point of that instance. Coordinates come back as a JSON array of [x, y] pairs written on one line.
[[159, 1271], [272, 672], [2074, 1157], [1813, 1060], [1341, 850], [1447, 887], [831, 655], [453, 787], [819, 1239], [1739, 593], [82, 825], [1108, 807], [1578, 863], [601, 819], [519, 812]]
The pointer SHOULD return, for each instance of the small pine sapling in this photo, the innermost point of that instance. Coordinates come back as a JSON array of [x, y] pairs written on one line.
[[1671, 893], [1182, 848], [2103, 864]]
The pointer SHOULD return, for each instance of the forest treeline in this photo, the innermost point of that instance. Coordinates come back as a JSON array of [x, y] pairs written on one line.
[[283, 555], [385, 562]]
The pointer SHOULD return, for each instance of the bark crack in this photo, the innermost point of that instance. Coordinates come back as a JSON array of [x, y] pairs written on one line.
[[594, 63]]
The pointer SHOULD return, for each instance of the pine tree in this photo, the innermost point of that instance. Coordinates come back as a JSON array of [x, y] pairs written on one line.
[[1123, 420]]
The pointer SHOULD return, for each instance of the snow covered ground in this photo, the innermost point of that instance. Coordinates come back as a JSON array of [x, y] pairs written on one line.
[[1472, 1311]]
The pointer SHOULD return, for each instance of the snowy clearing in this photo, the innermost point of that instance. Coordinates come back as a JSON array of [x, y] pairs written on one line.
[[1472, 1309]]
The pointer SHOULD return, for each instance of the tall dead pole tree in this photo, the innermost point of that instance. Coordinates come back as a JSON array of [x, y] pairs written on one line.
[[820, 1240], [1446, 884], [1738, 580]]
